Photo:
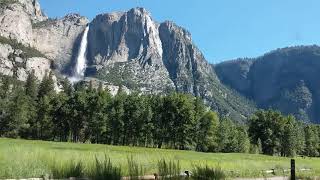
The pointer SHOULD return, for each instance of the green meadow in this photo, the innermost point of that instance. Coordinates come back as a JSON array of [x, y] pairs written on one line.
[[26, 159]]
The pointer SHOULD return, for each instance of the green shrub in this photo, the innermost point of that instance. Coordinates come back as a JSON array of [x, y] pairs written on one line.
[[207, 173], [105, 170], [168, 170], [28, 51], [67, 170]]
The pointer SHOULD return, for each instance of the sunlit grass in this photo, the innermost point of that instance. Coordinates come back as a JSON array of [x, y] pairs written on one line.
[[25, 159]]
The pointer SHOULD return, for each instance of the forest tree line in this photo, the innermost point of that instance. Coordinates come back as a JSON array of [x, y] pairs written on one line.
[[79, 113]]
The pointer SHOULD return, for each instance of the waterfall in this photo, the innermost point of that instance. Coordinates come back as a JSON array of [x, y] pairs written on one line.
[[81, 63]]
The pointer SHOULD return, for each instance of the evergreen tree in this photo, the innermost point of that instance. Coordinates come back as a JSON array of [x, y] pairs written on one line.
[[227, 135], [116, 116], [31, 86], [243, 140], [44, 124], [61, 116], [67, 87], [207, 129], [16, 121], [148, 126], [97, 121], [46, 86], [312, 141], [78, 117], [268, 126], [180, 113], [289, 142], [31, 91]]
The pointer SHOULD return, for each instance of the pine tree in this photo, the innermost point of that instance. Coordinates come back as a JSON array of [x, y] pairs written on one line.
[[116, 115], [67, 87], [44, 124], [31, 86], [31, 91], [46, 86], [61, 115], [97, 116], [16, 123]]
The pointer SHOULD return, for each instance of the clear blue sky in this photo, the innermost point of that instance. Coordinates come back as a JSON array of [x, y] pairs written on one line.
[[222, 29]]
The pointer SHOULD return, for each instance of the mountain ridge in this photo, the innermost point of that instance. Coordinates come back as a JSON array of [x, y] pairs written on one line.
[[284, 79]]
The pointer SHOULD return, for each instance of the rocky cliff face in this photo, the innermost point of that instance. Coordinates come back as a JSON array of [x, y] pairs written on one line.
[[124, 48], [285, 79], [23, 24], [59, 39], [129, 48], [15, 62]]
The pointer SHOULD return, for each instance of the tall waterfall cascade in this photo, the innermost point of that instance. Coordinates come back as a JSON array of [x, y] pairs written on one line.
[[81, 61]]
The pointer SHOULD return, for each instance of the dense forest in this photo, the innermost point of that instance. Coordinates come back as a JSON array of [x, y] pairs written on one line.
[[82, 113]]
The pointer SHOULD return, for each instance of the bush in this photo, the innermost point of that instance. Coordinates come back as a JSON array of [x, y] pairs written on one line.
[[207, 173], [105, 170]]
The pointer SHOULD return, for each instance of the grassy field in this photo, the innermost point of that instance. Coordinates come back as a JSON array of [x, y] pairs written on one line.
[[22, 158]]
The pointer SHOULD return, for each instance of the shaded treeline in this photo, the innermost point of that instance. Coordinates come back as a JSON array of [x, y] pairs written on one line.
[[79, 113]]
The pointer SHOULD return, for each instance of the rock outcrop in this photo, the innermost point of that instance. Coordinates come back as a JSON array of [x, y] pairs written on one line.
[[13, 62]]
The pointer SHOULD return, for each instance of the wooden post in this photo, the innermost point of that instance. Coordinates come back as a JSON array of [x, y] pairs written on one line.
[[293, 170], [156, 177]]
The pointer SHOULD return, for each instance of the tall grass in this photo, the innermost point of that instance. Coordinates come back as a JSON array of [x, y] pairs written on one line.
[[67, 169], [169, 170], [31, 159], [104, 170], [134, 169], [207, 173]]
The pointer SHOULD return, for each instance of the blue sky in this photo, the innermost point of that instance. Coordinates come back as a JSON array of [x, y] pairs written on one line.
[[222, 29]]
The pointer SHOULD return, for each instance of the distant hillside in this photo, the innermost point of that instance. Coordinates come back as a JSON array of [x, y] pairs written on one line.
[[285, 79]]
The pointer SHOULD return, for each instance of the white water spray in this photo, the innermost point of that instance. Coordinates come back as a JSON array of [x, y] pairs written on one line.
[[81, 63]]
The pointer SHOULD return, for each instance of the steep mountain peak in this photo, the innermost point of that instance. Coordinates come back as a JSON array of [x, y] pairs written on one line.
[[124, 36], [140, 11]]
